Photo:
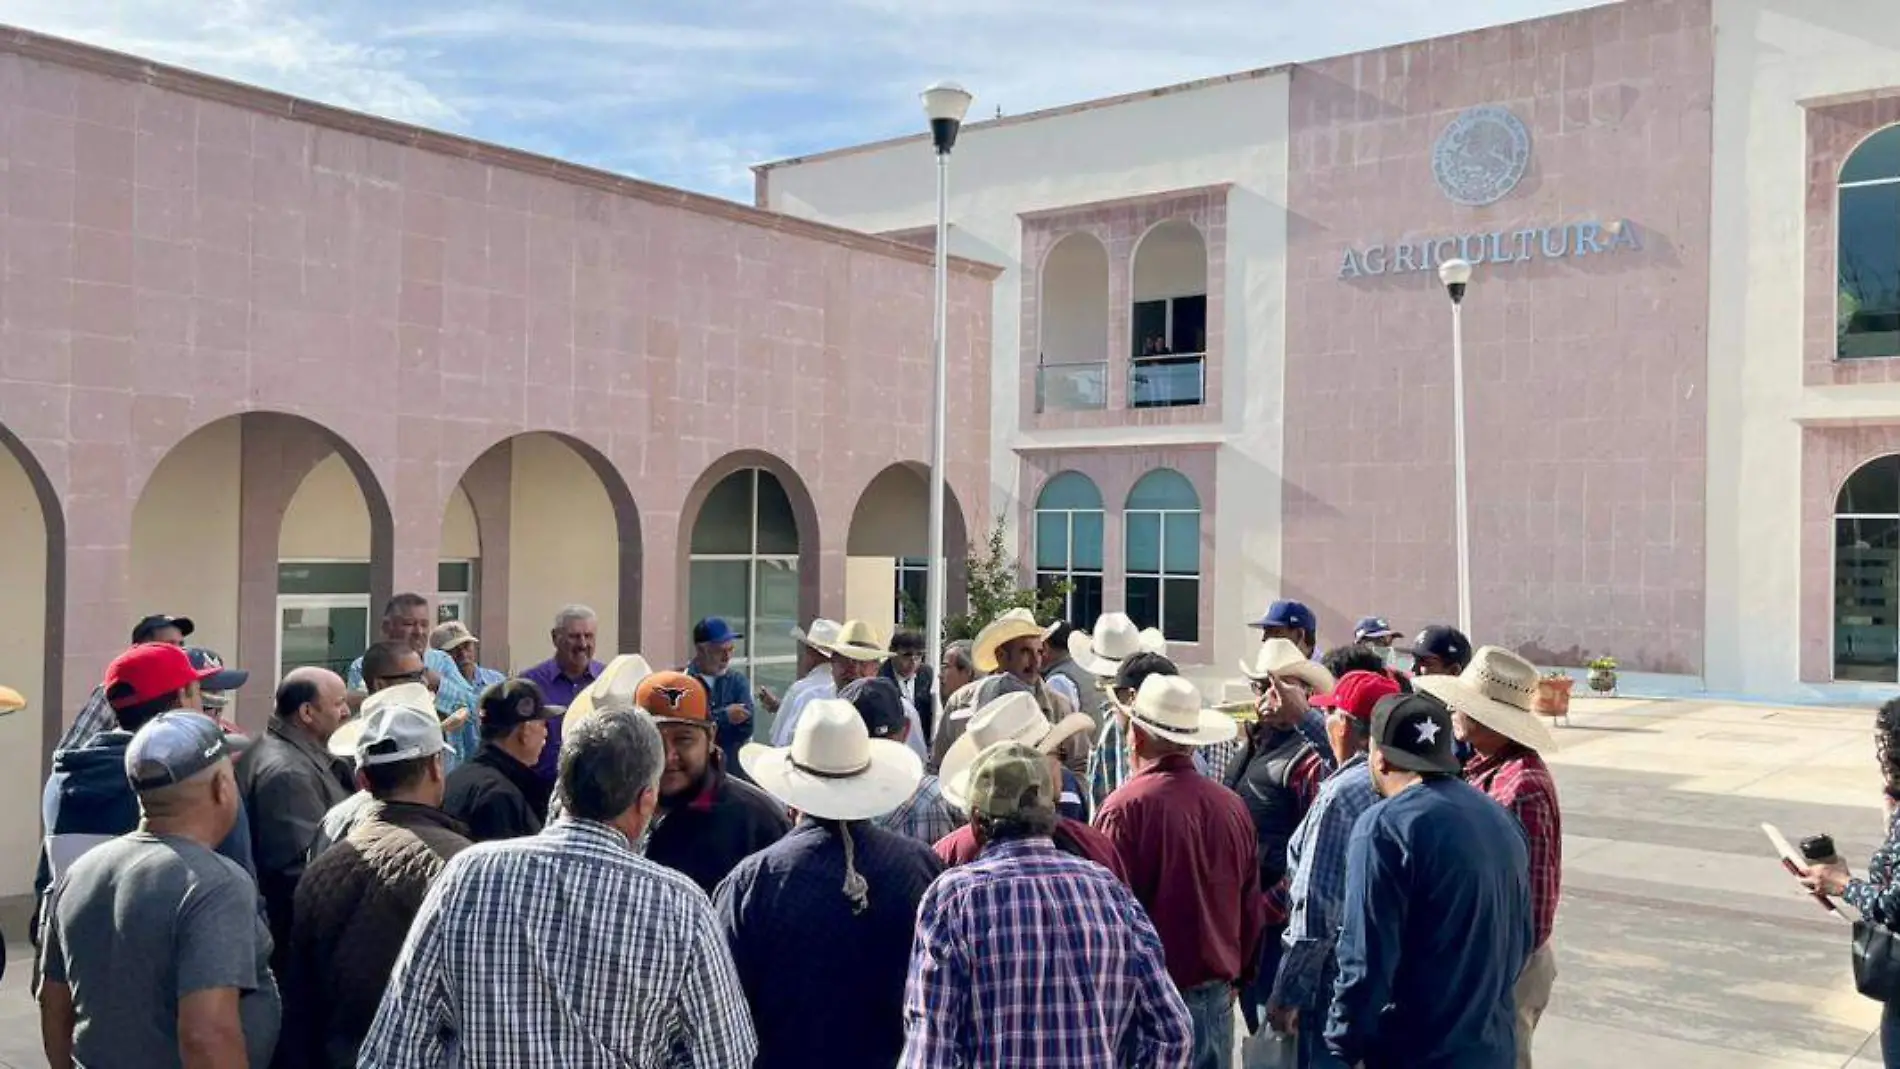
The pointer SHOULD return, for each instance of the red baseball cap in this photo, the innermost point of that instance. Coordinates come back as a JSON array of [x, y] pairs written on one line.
[[150, 671], [1357, 693]]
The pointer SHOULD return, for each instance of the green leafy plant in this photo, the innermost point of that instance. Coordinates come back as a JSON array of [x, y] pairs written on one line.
[[994, 590], [1603, 664]]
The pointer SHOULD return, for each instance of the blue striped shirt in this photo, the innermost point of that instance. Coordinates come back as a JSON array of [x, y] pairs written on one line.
[[1316, 865]]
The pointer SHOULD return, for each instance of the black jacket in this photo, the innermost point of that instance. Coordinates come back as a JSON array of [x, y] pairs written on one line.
[[354, 907], [925, 684], [706, 837], [497, 796], [288, 782]]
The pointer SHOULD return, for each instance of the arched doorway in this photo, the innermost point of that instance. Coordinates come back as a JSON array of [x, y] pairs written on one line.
[[1072, 358], [1867, 574], [751, 559], [1069, 521], [538, 522], [887, 550], [1168, 318], [33, 588]]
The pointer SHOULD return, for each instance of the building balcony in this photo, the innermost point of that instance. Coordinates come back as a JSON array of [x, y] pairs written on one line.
[[1075, 387], [1171, 381]]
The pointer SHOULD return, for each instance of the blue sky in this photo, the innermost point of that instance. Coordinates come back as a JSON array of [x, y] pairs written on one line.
[[692, 92]]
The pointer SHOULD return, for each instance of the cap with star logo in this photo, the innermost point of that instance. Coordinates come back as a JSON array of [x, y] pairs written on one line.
[[1413, 731], [674, 698]]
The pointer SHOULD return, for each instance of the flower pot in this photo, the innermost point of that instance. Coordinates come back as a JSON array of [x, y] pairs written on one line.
[[1603, 680], [1553, 697]]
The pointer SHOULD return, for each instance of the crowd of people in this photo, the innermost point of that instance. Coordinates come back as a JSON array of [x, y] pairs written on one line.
[[1049, 849]]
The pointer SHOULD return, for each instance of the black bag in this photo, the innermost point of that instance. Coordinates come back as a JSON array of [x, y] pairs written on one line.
[[1876, 961]]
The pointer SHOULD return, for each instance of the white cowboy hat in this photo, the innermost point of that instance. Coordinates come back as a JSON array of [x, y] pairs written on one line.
[[1280, 657], [821, 632], [1101, 652], [1495, 689], [343, 740], [1170, 708], [856, 641], [1014, 717], [834, 769], [1012, 625], [612, 690], [1153, 641]]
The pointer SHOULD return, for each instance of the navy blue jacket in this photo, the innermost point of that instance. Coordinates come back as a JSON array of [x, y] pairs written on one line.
[[1437, 927]]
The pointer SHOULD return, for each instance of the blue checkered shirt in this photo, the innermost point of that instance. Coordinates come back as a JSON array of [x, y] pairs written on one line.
[[1034, 959], [926, 816], [1316, 866], [563, 948]]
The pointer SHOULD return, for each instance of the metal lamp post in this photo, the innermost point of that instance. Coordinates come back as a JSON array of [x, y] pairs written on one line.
[[945, 103], [1456, 275]]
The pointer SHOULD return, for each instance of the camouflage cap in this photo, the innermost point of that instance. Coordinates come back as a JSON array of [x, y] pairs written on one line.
[[1012, 780]]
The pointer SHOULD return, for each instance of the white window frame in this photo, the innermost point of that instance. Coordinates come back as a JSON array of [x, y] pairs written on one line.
[[1068, 571], [1162, 576], [463, 600], [319, 601], [749, 626]]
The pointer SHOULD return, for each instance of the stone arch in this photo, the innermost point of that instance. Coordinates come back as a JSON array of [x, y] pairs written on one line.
[[888, 542], [36, 668]]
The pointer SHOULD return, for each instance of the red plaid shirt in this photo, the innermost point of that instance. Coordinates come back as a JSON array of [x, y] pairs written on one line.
[[1519, 780]]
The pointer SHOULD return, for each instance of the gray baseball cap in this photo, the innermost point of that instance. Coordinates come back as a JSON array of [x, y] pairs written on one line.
[[398, 732], [173, 747]]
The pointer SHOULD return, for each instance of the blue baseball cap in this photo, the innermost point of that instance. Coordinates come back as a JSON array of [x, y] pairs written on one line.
[[714, 630], [1372, 627], [1291, 614]]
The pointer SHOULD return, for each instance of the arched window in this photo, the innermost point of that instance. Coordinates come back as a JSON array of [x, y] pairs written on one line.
[[1168, 318], [1163, 555], [1869, 237], [1072, 363], [744, 564], [1867, 574], [1069, 544]]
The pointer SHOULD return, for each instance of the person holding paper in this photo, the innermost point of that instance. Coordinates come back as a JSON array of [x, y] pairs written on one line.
[[1876, 895]]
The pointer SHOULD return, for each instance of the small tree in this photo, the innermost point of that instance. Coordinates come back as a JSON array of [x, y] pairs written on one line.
[[994, 591]]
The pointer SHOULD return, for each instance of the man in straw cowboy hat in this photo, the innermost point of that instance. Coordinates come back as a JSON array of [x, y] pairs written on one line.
[[568, 948], [858, 652], [1118, 657], [1279, 659], [1437, 923], [1030, 956], [814, 681], [709, 819], [1302, 988], [820, 922], [1491, 712], [1015, 717], [926, 815], [1190, 850], [1011, 645]]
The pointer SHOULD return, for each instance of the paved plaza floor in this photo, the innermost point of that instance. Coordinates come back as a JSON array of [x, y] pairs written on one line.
[[1680, 941]]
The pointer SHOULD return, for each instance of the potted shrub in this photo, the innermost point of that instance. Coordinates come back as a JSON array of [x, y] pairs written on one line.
[[1553, 694], [1603, 675]]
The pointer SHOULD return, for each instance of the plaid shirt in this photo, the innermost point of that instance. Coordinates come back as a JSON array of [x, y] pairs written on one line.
[[1519, 781], [1877, 894], [96, 717], [1108, 758], [926, 816], [563, 948], [1316, 865], [1030, 958]]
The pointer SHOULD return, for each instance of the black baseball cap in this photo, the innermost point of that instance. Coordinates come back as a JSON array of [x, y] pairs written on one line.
[[881, 705], [1413, 731], [172, 747], [143, 630], [223, 678], [515, 701], [1444, 642]]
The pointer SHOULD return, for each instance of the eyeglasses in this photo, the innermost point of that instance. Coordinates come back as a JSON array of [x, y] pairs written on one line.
[[403, 677]]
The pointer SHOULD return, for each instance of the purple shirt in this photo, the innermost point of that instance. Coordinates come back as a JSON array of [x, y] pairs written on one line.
[[559, 689]]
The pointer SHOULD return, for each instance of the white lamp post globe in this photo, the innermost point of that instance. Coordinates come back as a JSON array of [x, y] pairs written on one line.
[[945, 105], [1454, 272]]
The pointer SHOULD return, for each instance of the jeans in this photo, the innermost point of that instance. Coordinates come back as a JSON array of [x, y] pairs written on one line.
[[1313, 1051], [1889, 1035], [1211, 1006]]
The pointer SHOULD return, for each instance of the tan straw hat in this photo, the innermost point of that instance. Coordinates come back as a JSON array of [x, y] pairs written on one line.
[[1496, 690], [1153, 641], [820, 632], [11, 701], [856, 641], [834, 769], [1012, 625], [1014, 717], [1280, 657], [612, 690], [1170, 707], [1101, 652]]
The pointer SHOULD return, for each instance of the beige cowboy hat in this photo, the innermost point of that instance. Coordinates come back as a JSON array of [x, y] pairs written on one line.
[[856, 641], [612, 690], [1495, 689], [821, 632], [452, 635], [1101, 652], [11, 701], [1012, 625], [1170, 708], [414, 695], [834, 769], [1153, 641], [1014, 717], [1280, 657]]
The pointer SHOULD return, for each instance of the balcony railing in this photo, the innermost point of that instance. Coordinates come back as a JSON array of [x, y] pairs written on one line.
[[1072, 387], [1168, 381]]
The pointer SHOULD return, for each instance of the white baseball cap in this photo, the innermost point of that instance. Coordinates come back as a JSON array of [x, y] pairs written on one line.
[[398, 732]]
